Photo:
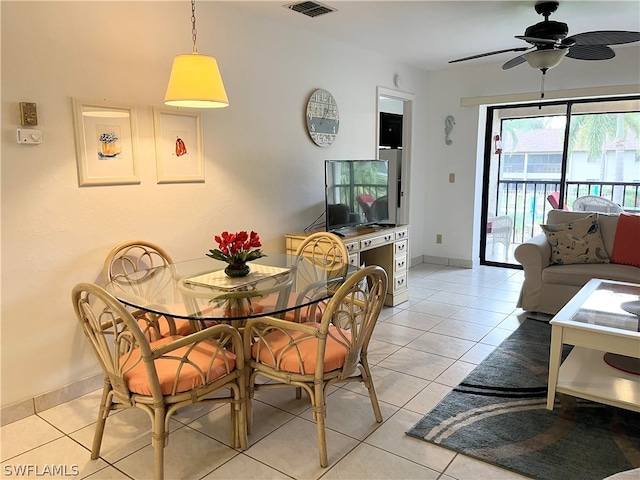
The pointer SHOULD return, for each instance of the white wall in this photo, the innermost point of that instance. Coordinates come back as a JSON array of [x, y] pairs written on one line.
[[262, 170]]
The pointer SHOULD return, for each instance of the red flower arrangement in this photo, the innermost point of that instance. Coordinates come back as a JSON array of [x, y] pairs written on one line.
[[236, 248]]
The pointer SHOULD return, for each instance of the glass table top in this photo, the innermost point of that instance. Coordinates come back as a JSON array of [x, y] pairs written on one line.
[[199, 289], [605, 303]]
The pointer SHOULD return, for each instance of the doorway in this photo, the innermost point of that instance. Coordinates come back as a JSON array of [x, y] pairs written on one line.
[[393, 143], [541, 157]]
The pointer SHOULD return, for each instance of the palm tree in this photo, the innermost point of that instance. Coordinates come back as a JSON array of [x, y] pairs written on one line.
[[594, 131]]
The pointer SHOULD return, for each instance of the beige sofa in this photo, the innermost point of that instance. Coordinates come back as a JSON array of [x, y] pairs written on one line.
[[546, 287]]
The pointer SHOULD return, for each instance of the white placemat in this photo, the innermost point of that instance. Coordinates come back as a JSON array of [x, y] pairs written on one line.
[[222, 281]]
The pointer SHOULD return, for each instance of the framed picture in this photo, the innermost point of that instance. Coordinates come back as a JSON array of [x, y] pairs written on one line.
[[178, 146], [106, 143]]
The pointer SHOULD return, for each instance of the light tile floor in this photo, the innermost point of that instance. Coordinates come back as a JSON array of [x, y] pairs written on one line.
[[420, 350]]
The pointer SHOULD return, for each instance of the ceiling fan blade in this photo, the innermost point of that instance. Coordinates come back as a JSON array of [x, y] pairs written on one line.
[[591, 52], [605, 37], [514, 62], [519, 49], [537, 41]]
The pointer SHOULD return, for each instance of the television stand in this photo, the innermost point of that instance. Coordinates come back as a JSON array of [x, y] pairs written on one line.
[[359, 230], [373, 245]]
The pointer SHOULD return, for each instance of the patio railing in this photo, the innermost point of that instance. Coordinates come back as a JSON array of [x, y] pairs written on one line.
[[526, 201]]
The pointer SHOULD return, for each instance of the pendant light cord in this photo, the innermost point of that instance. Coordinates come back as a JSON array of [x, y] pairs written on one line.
[[194, 32]]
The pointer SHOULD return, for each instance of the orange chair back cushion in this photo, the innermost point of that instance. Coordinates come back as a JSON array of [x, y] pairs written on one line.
[[269, 303]]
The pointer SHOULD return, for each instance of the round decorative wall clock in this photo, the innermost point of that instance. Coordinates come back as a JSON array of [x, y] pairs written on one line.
[[322, 118]]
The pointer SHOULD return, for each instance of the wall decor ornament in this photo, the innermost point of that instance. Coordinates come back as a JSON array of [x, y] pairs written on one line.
[[106, 143], [449, 122], [178, 136]]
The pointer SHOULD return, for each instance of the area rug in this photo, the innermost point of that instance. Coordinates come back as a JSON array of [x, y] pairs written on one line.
[[498, 415]]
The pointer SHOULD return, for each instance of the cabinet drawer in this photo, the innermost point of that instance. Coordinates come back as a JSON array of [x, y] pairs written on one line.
[[354, 260], [352, 246], [388, 237], [402, 234], [400, 282], [292, 244], [400, 248], [400, 264], [374, 241]]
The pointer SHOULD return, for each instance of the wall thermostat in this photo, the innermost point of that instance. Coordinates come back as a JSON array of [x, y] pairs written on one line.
[[29, 136]]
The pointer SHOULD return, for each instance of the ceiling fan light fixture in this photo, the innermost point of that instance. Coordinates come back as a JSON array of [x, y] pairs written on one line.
[[545, 59]]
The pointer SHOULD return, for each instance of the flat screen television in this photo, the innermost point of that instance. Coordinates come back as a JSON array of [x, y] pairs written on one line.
[[357, 193]]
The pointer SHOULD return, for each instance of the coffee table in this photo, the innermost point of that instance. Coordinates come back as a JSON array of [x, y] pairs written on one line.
[[595, 323]]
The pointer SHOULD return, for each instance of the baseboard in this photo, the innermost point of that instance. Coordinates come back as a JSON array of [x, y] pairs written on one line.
[[17, 411], [416, 261], [450, 262], [25, 408]]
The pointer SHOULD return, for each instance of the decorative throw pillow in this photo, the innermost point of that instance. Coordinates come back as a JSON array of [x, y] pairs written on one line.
[[579, 241], [626, 245]]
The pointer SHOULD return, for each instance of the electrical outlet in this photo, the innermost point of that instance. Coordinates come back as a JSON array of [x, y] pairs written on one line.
[[439, 238], [452, 178]]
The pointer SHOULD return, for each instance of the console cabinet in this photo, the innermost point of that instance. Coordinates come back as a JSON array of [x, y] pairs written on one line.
[[384, 246]]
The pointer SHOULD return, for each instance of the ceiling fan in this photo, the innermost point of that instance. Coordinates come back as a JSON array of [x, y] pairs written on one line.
[[549, 43]]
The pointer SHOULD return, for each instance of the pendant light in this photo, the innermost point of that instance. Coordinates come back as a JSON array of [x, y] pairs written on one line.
[[195, 80]]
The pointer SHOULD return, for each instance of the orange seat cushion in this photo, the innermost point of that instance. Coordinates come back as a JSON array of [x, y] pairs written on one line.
[[626, 244], [268, 303], [303, 358], [183, 327], [167, 368]]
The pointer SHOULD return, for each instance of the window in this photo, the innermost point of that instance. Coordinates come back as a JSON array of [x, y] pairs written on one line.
[[513, 163], [544, 163]]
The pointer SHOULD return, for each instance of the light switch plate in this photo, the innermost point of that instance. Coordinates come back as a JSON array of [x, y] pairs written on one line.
[[28, 114]]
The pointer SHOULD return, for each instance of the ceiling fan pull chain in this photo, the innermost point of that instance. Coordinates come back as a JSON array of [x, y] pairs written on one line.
[[542, 90]]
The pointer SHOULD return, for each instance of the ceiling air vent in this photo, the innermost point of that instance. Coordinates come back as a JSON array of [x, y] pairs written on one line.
[[310, 9]]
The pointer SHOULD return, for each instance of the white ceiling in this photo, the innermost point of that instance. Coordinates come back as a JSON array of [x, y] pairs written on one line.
[[427, 34]]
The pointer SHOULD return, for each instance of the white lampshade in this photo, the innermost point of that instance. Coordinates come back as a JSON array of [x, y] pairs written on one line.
[[195, 82], [545, 59]]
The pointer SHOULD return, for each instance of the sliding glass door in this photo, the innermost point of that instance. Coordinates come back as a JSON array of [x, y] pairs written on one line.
[[546, 156]]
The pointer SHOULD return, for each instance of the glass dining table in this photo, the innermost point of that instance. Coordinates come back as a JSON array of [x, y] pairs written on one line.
[[200, 292]]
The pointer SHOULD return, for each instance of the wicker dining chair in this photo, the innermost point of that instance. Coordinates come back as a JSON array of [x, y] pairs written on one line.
[[322, 258], [133, 257], [324, 250], [314, 356], [163, 376]]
